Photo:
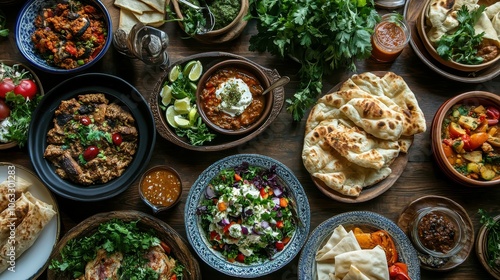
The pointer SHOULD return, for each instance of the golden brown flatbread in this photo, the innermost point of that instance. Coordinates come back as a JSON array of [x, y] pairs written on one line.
[[353, 135], [10, 191]]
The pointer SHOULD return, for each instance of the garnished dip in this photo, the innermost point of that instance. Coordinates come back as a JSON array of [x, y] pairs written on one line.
[[161, 187], [471, 140], [235, 96], [232, 98], [246, 214]]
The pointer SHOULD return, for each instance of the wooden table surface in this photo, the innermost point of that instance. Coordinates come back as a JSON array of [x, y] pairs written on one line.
[[282, 140]]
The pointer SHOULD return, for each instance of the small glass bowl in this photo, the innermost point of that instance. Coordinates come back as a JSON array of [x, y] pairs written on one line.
[[160, 188], [452, 219]]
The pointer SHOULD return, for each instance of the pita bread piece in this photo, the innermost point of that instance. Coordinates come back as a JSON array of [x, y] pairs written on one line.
[[127, 20], [134, 6], [20, 186]]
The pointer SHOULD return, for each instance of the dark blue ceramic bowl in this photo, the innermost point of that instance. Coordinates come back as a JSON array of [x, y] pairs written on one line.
[[25, 27]]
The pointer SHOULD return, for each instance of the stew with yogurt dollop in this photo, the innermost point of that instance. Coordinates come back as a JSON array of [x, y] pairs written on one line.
[[471, 140], [232, 98]]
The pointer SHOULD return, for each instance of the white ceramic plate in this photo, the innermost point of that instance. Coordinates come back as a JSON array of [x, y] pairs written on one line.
[[34, 260]]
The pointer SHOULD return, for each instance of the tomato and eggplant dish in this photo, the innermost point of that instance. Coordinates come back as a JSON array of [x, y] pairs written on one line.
[[232, 98], [471, 141], [69, 34], [92, 141]]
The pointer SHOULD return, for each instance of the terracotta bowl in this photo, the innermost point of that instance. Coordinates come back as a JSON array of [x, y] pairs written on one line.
[[482, 250], [165, 182], [474, 98], [12, 144], [235, 24], [423, 27], [249, 69]]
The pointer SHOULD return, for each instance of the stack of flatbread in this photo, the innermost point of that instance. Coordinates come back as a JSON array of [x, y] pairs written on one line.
[[442, 18], [353, 135], [21, 222], [342, 258], [149, 12]]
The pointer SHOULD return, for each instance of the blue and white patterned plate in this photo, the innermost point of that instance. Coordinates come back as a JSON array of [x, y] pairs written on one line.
[[25, 27], [319, 236], [197, 237]]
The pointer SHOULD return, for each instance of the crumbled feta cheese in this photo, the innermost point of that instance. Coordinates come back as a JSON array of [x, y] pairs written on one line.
[[4, 129]]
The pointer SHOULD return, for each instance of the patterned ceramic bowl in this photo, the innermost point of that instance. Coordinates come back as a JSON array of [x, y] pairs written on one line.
[[25, 28]]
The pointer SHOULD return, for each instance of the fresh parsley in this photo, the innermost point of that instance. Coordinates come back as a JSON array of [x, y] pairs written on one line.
[[321, 35], [20, 116], [462, 45], [197, 134], [113, 236], [493, 242]]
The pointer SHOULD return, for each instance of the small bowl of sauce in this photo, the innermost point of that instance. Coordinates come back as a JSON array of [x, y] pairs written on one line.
[[160, 188], [390, 37], [438, 232]]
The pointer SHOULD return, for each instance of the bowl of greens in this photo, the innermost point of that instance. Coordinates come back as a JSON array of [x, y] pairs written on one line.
[[247, 215], [488, 243], [134, 244], [20, 93], [467, 41]]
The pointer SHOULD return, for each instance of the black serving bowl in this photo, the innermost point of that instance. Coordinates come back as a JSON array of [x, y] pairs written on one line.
[[115, 90]]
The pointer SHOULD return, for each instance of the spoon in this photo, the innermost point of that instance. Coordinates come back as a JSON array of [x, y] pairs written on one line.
[[207, 14], [280, 82]]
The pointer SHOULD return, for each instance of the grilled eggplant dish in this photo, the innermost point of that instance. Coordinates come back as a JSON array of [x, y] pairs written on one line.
[[92, 141]]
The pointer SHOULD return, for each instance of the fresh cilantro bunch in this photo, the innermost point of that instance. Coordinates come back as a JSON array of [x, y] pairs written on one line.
[[193, 19], [462, 45], [321, 35]]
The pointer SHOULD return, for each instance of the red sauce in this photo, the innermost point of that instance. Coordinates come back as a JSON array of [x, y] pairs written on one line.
[[161, 187], [211, 102], [388, 41]]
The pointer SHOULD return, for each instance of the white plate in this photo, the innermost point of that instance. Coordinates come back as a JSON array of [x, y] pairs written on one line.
[[34, 260]]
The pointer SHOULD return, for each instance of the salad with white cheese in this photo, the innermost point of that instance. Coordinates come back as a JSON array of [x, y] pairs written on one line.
[[246, 214]]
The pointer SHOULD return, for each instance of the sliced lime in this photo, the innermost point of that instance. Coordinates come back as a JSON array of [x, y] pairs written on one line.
[[182, 106], [166, 95], [171, 113], [193, 86], [181, 121], [195, 72], [174, 73], [188, 66], [193, 115]]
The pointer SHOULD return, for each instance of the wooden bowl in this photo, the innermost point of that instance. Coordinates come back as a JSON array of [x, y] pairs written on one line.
[[482, 250], [12, 144], [423, 28], [474, 98], [179, 248], [227, 33], [248, 69]]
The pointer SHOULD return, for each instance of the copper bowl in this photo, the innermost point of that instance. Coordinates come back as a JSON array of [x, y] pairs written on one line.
[[168, 185], [474, 98], [482, 250], [247, 68], [423, 27]]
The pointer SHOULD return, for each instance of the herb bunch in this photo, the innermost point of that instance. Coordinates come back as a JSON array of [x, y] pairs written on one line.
[[322, 35], [493, 242], [20, 114], [113, 236], [462, 45]]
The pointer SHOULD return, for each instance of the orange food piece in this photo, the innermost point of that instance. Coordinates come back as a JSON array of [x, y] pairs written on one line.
[[379, 237]]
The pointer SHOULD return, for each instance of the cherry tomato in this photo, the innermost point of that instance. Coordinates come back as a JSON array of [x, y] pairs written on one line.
[[85, 120], [173, 277], [4, 110], [280, 224], [5, 86], [27, 88], [398, 271], [165, 247], [90, 153], [117, 139], [280, 246], [240, 258], [477, 139]]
